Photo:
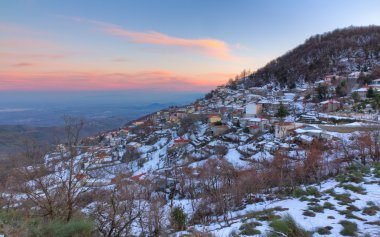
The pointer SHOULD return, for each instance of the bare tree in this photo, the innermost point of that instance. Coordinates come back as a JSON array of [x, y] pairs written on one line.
[[131, 154], [313, 165], [71, 183], [153, 221], [54, 186], [123, 208]]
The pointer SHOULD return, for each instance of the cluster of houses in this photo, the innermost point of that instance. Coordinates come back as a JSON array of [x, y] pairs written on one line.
[[243, 111]]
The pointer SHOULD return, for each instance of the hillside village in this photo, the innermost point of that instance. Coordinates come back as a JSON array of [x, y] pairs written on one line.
[[244, 160], [244, 125]]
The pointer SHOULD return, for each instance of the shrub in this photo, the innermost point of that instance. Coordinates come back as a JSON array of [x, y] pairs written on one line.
[[354, 174], [308, 213], [352, 208], [328, 205], [350, 215], [249, 228], [141, 162], [343, 198], [355, 177], [349, 228], [316, 208], [11, 217], [353, 188], [76, 227], [373, 223], [304, 199], [370, 203], [282, 111], [218, 123], [268, 217], [178, 218], [376, 169], [371, 210], [289, 227], [330, 191], [18, 224], [313, 191], [220, 150], [266, 214], [324, 230], [299, 192], [366, 170]]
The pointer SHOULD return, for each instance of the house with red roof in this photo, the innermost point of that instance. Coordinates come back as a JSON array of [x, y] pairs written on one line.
[[179, 142], [254, 129], [124, 131]]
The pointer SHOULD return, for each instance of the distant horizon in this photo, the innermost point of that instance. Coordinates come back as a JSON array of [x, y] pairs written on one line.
[[47, 108], [100, 90], [133, 95]]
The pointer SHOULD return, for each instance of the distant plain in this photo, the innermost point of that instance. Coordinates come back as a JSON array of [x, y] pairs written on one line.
[[39, 115]]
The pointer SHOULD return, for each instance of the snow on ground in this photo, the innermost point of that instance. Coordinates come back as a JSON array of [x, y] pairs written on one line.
[[233, 156], [327, 217], [262, 155]]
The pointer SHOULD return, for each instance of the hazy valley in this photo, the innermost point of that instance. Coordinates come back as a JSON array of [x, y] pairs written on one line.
[[36, 115]]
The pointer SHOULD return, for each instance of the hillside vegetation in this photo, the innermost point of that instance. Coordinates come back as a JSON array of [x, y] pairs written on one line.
[[338, 52]]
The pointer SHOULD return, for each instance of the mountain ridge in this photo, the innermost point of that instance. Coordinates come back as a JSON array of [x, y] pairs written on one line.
[[336, 52]]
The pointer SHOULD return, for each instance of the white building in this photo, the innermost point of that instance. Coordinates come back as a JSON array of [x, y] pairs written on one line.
[[252, 109]]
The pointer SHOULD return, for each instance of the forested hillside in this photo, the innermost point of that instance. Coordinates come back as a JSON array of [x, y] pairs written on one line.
[[338, 52]]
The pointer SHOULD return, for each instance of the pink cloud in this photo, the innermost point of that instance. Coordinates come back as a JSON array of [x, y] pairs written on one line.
[[149, 80], [23, 64], [28, 43], [210, 47], [23, 55]]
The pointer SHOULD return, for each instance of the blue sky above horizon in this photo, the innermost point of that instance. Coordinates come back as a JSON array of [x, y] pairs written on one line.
[[166, 45]]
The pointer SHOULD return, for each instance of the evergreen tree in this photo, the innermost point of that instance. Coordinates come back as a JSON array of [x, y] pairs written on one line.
[[282, 111], [355, 96], [178, 218], [370, 93], [322, 92]]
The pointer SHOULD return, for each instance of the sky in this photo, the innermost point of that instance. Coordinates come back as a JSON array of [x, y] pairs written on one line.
[[157, 45]]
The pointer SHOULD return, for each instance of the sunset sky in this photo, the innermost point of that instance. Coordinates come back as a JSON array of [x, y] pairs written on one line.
[[167, 45]]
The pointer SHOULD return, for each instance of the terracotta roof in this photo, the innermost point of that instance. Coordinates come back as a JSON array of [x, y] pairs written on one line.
[[284, 123], [254, 126], [137, 177], [213, 115], [181, 140], [114, 180], [101, 155]]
